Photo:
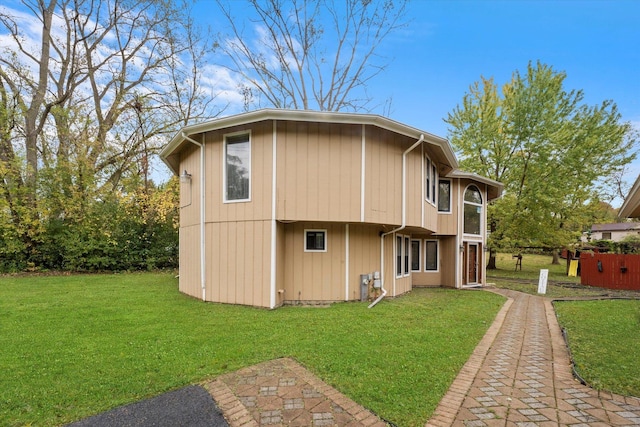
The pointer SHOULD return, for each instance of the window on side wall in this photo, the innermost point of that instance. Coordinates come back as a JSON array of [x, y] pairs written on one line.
[[427, 179], [430, 255], [315, 240], [407, 254], [237, 168], [444, 195], [434, 179], [398, 256], [472, 210], [415, 255]]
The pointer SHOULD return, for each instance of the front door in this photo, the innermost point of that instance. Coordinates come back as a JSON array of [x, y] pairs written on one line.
[[472, 263]]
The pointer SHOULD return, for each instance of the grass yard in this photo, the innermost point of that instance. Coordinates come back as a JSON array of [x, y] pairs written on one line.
[[603, 334], [531, 265], [74, 346], [604, 340]]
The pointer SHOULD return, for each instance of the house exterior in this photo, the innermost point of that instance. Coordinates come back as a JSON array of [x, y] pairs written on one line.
[[613, 231], [631, 206], [285, 207]]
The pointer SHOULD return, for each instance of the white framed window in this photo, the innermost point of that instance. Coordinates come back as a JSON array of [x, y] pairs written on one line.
[[237, 167], [431, 255], [444, 196], [315, 240], [434, 180], [398, 256], [472, 210], [415, 255], [407, 255], [427, 178], [403, 255], [430, 180]]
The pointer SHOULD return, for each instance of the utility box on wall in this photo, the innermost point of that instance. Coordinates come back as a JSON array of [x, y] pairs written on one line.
[[365, 279]]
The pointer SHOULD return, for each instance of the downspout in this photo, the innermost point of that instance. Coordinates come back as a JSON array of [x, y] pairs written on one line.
[[202, 215], [404, 218]]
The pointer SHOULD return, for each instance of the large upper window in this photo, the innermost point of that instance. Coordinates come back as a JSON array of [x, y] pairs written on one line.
[[237, 168], [444, 196], [472, 210]]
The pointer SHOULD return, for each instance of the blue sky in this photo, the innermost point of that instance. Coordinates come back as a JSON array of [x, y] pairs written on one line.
[[448, 45]]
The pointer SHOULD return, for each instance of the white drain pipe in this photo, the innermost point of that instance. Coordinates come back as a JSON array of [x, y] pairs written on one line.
[[202, 215], [404, 218]]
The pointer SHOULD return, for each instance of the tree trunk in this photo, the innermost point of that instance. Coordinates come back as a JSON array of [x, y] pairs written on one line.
[[556, 258], [491, 265]]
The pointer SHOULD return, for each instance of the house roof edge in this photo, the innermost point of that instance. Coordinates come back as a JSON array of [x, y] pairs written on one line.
[[631, 206], [496, 186], [305, 115]]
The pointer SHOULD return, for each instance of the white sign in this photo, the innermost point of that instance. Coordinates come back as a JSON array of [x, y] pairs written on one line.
[[542, 282]]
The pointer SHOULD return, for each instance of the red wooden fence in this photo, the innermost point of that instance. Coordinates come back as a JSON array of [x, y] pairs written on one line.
[[611, 271]]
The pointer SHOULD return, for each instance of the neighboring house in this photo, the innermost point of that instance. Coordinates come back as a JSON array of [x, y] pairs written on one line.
[[289, 206], [631, 206], [614, 232]]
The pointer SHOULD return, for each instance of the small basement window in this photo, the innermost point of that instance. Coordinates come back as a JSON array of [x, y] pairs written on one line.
[[315, 240]]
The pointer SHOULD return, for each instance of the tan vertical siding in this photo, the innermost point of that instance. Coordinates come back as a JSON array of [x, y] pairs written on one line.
[[318, 171], [431, 218], [403, 285], [448, 252], [190, 192], [383, 176], [314, 276], [238, 262], [280, 264], [389, 263], [415, 192], [189, 269], [432, 278], [364, 255]]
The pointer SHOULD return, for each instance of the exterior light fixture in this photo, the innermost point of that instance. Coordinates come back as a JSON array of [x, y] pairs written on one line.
[[185, 177]]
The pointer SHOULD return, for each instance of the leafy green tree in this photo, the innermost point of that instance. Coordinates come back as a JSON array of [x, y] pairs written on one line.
[[554, 154], [89, 92]]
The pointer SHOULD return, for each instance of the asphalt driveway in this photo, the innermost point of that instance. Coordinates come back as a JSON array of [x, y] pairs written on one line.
[[191, 406]]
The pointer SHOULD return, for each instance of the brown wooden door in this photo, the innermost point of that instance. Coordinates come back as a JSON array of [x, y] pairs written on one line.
[[472, 264]]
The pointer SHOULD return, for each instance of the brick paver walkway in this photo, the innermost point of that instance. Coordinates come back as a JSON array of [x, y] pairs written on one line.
[[283, 393], [520, 375]]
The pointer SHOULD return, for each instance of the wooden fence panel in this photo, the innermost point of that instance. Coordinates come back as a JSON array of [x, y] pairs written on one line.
[[611, 271]]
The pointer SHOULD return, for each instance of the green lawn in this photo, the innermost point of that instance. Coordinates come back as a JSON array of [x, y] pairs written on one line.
[[73, 346], [604, 340], [603, 334], [531, 265]]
